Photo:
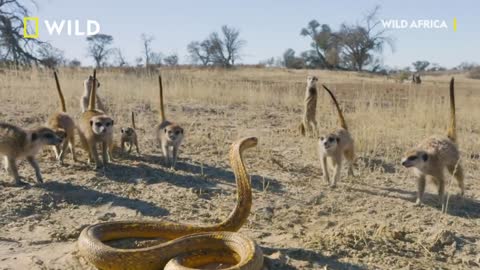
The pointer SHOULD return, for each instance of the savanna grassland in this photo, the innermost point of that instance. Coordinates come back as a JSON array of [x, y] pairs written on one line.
[[368, 222]]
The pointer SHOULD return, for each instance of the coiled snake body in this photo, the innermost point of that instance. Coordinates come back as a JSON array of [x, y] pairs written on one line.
[[188, 245]]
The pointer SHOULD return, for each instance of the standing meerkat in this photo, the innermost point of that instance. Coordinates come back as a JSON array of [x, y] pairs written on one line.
[[96, 127], [88, 86], [64, 126], [16, 143], [169, 134], [309, 121], [335, 146], [129, 135], [435, 154]]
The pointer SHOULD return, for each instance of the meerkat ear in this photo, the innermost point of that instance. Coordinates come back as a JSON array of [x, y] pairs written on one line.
[[322, 138], [165, 130], [112, 122], [34, 136], [90, 77], [91, 123], [122, 130], [181, 130], [338, 140], [425, 157]]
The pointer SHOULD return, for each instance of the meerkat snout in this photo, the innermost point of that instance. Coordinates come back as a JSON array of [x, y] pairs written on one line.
[[46, 136], [101, 125], [415, 160]]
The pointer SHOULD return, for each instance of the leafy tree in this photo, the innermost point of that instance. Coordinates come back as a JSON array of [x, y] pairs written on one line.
[[359, 43], [420, 65], [322, 44], [171, 60], [98, 48], [291, 61]]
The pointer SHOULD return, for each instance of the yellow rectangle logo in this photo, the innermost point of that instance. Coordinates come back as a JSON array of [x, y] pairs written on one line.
[[25, 27]]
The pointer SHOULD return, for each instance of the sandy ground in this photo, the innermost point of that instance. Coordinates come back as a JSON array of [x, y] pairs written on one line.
[[367, 222]]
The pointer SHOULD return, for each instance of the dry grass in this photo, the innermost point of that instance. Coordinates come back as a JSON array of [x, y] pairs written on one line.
[[311, 224]]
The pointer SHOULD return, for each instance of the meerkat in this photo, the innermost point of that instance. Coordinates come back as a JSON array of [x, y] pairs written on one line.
[[88, 86], [430, 158], [335, 146], [96, 127], [309, 121], [416, 78], [16, 143], [129, 135], [64, 126], [169, 134]]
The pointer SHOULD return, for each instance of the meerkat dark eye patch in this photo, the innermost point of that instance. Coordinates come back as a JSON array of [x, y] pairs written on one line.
[[108, 124], [98, 124], [412, 158], [177, 132], [331, 139], [49, 136], [425, 157], [34, 136]]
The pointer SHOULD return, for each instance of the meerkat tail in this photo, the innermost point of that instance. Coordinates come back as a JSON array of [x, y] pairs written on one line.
[[93, 93], [60, 94], [343, 124], [133, 121], [162, 110], [452, 129]]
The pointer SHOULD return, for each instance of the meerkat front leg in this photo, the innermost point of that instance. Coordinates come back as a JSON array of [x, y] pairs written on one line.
[[441, 194], [337, 163], [105, 154], [63, 151], [94, 155], [11, 167], [166, 153], [71, 146], [457, 172], [35, 166], [175, 154], [136, 145], [324, 164], [421, 181]]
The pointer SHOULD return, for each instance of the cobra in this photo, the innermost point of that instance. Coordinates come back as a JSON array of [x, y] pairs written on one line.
[[187, 246]]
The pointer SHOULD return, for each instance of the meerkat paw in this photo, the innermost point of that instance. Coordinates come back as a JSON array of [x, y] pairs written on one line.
[[19, 183]]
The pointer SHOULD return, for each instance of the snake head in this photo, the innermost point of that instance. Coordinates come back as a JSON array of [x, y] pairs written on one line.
[[248, 142]]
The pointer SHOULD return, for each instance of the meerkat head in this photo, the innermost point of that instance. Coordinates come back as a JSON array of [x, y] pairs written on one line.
[[61, 133], [415, 158], [127, 131], [45, 136], [329, 143], [173, 132], [101, 124], [90, 80], [312, 81]]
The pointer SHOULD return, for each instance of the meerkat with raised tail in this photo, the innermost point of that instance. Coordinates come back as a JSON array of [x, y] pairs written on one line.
[[129, 136], [96, 127], [335, 146], [64, 126], [309, 121], [169, 134], [88, 86], [16, 143], [435, 154]]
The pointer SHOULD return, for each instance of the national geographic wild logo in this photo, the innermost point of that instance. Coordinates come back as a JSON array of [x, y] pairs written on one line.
[[31, 27]]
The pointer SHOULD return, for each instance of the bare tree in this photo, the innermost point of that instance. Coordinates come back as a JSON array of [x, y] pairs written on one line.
[[119, 58], [14, 47], [200, 52], [50, 56], [218, 49], [147, 48], [98, 48], [226, 49], [171, 60], [359, 43]]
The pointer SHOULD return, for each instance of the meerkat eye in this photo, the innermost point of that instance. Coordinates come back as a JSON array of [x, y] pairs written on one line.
[[108, 124], [412, 158], [331, 139], [48, 136], [98, 124], [177, 132]]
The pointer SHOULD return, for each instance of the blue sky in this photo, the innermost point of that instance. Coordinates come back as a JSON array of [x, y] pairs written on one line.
[[268, 26]]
